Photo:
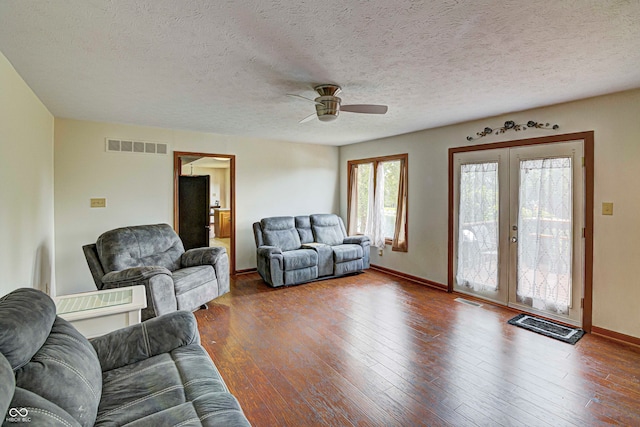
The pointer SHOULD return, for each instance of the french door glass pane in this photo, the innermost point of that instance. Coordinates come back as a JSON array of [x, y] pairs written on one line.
[[545, 234], [478, 227]]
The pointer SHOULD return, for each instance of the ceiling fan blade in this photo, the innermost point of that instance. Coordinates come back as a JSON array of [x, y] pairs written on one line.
[[302, 97], [309, 117], [364, 108]]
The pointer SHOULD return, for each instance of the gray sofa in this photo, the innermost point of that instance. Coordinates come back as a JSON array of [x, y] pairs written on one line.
[[153, 256], [294, 250], [151, 374]]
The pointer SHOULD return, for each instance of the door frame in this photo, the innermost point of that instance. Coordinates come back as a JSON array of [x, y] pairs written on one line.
[[177, 168], [588, 140]]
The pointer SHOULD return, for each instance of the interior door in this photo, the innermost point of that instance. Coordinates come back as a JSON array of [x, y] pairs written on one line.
[[193, 215], [518, 219]]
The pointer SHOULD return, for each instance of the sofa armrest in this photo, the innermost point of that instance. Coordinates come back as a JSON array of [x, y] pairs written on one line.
[[149, 338], [202, 256], [271, 265], [271, 254], [131, 275], [365, 243], [357, 240], [214, 256], [269, 251], [158, 283]]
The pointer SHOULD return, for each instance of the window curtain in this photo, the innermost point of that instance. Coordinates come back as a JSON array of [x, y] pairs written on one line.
[[352, 214], [399, 243], [545, 234], [477, 227], [375, 214]]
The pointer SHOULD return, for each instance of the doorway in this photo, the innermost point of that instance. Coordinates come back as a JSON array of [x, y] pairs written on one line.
[[204, 200], [518, 221]]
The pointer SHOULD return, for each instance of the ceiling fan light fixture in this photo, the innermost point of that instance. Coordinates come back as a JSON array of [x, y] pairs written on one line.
[[327, 117], [327, 108]]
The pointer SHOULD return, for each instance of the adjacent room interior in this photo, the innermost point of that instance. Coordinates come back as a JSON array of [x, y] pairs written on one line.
[[486, 152]]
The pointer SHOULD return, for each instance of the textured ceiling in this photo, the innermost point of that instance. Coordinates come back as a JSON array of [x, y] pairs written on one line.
[[225, 66]]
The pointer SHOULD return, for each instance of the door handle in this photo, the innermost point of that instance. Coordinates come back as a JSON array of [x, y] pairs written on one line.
[[514, 239]]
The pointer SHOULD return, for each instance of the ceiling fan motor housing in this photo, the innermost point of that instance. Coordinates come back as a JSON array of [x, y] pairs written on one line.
[[329, 109]]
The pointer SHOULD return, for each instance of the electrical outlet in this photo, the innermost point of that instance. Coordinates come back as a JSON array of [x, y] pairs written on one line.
[[607, 208], [99, 203], [380, 252]]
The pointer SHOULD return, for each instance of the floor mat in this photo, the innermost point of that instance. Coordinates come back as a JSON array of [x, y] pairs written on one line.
[[547, 328]]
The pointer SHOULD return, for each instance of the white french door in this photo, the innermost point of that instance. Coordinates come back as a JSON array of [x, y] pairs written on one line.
[[519, 215]]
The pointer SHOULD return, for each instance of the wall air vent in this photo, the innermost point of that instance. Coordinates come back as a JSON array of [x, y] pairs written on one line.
[[113, 145], [466, 301], [129, 146], [138, 147]]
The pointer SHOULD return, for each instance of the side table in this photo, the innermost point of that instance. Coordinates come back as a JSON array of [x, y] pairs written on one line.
[[96, 313]]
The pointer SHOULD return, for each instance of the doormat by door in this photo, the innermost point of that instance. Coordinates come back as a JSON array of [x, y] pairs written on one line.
[[547, 328]]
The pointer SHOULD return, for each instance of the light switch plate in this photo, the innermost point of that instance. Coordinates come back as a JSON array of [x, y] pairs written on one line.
[[607, 208], [99, 203]]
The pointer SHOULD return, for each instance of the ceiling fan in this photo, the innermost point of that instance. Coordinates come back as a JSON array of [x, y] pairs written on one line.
[[328, 105]]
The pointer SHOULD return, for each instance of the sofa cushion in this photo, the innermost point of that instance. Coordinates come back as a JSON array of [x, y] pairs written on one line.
[[166, 382], [348, 267], [303, 225], [194, 286], [138, 246], [301, 275], [40, 411], [66, 372], [300, 258], [342, 253], [7, 384], [280, 232], [32, 313], [328, 229], [210, 409]]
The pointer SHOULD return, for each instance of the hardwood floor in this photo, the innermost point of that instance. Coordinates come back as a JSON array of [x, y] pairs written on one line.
[[375, 350]]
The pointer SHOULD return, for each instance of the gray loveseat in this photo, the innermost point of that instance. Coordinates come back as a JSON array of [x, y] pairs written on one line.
[[151, 374], [153, 256], [293, 250]]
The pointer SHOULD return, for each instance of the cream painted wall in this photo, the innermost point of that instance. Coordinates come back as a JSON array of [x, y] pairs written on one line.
[[272, 178], [614, 118], [26, 186]]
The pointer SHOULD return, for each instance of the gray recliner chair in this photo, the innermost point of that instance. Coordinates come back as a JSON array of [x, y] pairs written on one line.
[[153, 256]]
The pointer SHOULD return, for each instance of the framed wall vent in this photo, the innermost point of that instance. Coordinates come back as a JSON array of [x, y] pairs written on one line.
[[114, 145]]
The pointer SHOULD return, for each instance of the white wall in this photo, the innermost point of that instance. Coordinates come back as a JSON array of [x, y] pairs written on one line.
[[615, 120], [272, 178], [26, 186]]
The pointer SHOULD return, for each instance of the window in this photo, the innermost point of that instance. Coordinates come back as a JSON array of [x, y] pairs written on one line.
[[377, 200]]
